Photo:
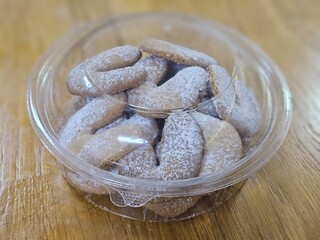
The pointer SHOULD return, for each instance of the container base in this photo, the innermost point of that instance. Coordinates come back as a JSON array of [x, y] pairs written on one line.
[[205, 204]]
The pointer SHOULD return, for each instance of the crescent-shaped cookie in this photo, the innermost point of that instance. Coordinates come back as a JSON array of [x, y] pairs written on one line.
[[95, 114], [181, 91], [235, 103], [176, 53], [223, 145]]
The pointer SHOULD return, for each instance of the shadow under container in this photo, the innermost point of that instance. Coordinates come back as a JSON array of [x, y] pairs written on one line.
[[47, 96]]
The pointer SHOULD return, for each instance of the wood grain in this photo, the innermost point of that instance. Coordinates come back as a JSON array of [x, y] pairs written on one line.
[[281, 201]]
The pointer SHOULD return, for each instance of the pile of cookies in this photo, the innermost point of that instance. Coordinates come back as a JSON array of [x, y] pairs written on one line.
[[131, 116]]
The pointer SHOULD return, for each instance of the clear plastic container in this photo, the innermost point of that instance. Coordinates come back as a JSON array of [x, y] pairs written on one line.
[[133, 198]]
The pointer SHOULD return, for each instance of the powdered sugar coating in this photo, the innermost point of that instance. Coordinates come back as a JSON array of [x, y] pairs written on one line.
[[119, 80], [181, 149], [113, 58], [176, 53], [78, 83], [223, 89], [246, 115], [156, 68], [92, 116], [109, 146], [142, 163], [149, 125], [73, 105], [236, 104], [83, 184], [103, 149], [180, 154], [181, 91], [136, 163], [223, 145], [109, 82], [113, 124]]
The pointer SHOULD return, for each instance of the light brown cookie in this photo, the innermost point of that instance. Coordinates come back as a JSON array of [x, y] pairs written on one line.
[[85, 185], [114, 130], [164, 206], [156, 68], [176, 53], [114, 58], [246, 115], [104, 148], [235, 103], [109, 82], [78, 83], [223, 90], [136, 163], [181, 149], [95, 114], [180, 154], [181, 91], [180, 157], [74, 104], [223, 145], [171, 206], [150, 127], [112, 124]]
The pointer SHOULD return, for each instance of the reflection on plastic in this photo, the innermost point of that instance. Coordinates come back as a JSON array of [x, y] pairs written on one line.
[[132, 140], [87, 82]]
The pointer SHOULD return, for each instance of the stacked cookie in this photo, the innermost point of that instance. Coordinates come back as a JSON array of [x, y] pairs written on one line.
[[135, 123]]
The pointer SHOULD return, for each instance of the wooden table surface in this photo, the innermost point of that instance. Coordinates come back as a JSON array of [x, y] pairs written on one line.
[[281, 201]]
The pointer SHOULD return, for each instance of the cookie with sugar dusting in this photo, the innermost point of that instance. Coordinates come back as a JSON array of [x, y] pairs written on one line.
[[156, 68], [223, 90], [180, 157], [235, 103], [171, 206], [108, 146], [85, 185], [72, 105], [117, 57], [223, 145], [136, 163], [109, 82], [114, 130], [181, 151], [246, 114], [142, 162], [112, 124], [95, 114], [181, 91], [114, 58], [176, 53]]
